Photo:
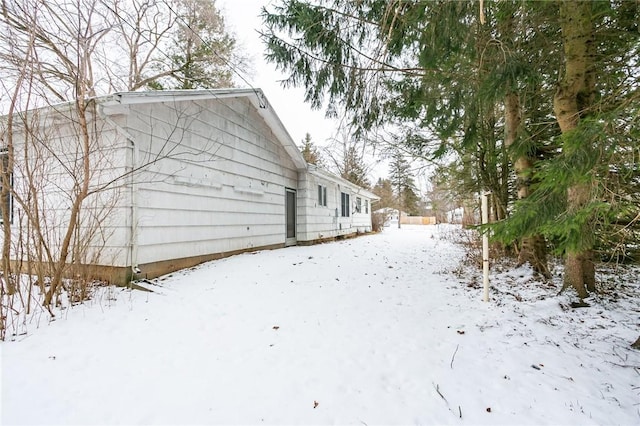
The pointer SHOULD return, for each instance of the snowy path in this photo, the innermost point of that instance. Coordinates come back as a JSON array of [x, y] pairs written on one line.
[[373, 330]]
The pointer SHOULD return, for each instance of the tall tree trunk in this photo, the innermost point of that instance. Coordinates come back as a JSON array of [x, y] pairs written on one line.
[[533, 247], [573, 97]]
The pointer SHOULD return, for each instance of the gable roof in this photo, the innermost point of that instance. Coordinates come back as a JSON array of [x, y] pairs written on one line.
[[255, 96]]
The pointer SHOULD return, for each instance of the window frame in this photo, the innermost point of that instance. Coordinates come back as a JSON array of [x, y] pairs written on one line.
[[322, 195], [345, 204]]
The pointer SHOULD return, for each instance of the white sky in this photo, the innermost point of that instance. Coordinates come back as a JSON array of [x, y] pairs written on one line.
[[244, 21]]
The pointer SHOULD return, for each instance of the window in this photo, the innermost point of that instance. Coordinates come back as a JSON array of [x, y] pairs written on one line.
[[346, 207], [7, 202], [366, 206], [358, 205], [322, 195]]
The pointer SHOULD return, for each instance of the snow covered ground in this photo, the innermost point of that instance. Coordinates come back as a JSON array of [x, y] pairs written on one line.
[[381, 329]]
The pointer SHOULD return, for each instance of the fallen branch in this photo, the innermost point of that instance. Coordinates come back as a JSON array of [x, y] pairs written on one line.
[[637, 367], [508, 293], [439, 393], [437, 388], [453, 357]]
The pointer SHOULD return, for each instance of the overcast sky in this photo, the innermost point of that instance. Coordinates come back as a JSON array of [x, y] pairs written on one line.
[[298, 118], [244, 22]]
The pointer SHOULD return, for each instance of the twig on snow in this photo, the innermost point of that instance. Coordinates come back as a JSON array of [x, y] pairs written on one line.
[[439, 393], [437, 388], [637, 367], [453, 357]]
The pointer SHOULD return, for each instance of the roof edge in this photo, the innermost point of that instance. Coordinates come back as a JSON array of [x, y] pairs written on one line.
[[315, 170], [187, 94]]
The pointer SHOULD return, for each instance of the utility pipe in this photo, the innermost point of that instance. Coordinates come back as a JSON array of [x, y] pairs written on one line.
[[133, 239], [485, 245]]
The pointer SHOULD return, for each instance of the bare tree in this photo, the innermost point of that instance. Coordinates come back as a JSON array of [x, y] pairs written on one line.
[[170, 44], [347, 156], [139, 33], [59, 168]]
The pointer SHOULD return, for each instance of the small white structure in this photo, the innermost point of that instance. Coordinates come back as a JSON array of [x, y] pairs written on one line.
[[455, 215], [200, 174]]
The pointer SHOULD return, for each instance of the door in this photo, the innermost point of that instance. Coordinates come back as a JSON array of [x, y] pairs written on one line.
[[290, 216]]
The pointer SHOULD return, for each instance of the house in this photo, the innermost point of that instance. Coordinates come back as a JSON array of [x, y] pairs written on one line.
[[175, 178], [390, 215]]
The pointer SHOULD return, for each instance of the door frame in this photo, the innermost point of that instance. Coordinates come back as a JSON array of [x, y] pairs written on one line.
[[290, 240]]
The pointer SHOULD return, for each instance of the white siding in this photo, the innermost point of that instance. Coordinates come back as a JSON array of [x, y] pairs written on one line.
[[317, 222], [181, 175], [53, 159], [214, 179]]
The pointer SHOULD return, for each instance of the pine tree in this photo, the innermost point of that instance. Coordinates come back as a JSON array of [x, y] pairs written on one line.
[[353, 168], [310, 152], [576, 201], [202, 53], [411, 202], [384, 190], [402, 183], [477, 82], [347, 158]]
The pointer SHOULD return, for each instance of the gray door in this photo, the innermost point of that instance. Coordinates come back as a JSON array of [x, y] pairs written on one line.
[[290, 213]]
